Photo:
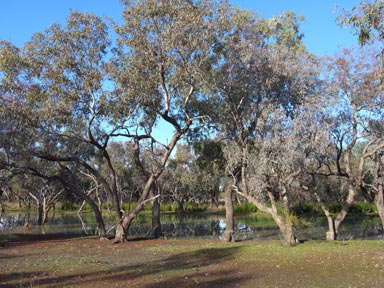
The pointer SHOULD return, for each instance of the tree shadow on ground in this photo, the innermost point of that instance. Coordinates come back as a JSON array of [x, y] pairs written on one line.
[[187, 269]]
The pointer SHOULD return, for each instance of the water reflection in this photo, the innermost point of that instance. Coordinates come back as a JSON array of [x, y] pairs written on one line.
[[191, 226]]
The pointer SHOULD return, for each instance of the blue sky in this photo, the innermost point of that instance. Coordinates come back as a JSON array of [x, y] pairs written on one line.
[[19, 19]]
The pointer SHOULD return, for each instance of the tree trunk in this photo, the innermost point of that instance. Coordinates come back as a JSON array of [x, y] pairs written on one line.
[[379, 199], [95, 208], [286, 230], [122, 229], [345, 207], [229, 234], [285, 226], [45, 211], [331, 234], [1, 202], [99, 218], [380, 204], [156, 225], [39, 213], [180, 207]]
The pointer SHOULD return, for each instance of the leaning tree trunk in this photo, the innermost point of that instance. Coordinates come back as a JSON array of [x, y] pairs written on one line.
[[125, 222], [229, 234], [94, 207], [285, 226], [156, 225], [98, 216]]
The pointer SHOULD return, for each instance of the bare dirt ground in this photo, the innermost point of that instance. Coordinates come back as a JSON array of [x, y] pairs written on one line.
[[62, 261]]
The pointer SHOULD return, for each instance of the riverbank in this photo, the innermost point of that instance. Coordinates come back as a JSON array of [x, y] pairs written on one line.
[[57, 261]]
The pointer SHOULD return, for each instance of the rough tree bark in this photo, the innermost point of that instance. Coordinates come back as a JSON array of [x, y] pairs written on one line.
[[156, 224], [379, 198], [229, 233]]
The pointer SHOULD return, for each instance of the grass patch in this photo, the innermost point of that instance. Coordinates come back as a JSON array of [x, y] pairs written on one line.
[[245, 208], [191, 263]]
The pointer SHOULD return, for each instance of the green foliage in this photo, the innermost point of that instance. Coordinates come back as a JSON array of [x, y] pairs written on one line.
[[367, 22], [67, 206], [313, 209], [356, 208], [366, 19], [148, 207], [296, 221], [107, 206], [306, 209], [128, 206], [363, 208], [167, 207], [87, 207], [193, 208], [245, 208], [334, 208], [210, 155]]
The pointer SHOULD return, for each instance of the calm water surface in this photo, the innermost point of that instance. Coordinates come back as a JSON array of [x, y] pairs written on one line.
[[192, 226]]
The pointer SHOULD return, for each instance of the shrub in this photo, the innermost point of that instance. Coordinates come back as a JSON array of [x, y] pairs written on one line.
[[334, 208], [245, 208], [167, 207], [297, 222], [306, 209], [107, 206], [87, 207], [67, 206], [128, 206], [148, 207], [192, 207], [363, 208]]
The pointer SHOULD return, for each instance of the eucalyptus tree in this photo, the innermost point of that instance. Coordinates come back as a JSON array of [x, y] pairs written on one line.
[[263, 70], [164, 49], [356, 122], [179, 181], [192, 177], [210, 163], [63, 179], [42, 193], [54, 99]]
